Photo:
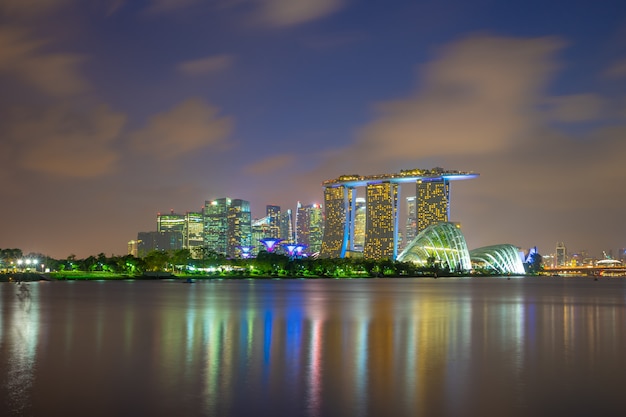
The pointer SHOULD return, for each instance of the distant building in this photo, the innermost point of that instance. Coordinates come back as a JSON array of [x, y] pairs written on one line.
[[239, 231], [309, 227], [274, 216], [561, 255], [410, 229], [339, 226], [382, 216], [133, 247], [174, 223], [433, 203], [360, 220], [193, 232], [216, 225], [160, 241], [260, 230], [342, 228], [286, 226]]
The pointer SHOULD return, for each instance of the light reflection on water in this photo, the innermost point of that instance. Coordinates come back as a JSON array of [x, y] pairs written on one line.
[[400, 347]]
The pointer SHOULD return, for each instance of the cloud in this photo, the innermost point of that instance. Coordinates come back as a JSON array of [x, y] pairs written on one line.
[[66, 142], [575, 108], [293, 12], [617, 70], [55, 74], [189, 126], [160, 6], [270, 165], [206, 65], [477, 97], [25, 8]]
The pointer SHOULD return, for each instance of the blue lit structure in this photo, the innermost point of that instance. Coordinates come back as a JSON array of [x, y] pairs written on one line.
[[294, 249], [270, 243], [245, 251]]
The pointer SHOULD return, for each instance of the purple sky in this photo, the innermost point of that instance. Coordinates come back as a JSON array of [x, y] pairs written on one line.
[[114, 110]]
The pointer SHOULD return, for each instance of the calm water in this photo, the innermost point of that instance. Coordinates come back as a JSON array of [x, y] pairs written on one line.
[[384, 347]]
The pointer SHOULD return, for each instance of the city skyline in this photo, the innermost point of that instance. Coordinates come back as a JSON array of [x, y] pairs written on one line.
[[115, 110]]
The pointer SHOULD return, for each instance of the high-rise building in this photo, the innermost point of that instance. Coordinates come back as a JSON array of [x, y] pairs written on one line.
[[309, 227], [174, 223], [410, 230], [382, 217], [160, 241], [260, 230], [193, 232], [286, 227], [561, 254], [360, 218], [342, 230], [273, 214], [239, 226], [216, 225], [339, 226], [433, 198]]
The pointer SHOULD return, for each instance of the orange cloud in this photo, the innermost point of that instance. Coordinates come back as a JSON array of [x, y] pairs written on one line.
[[293, 12], [67, 142], [272, 164], [55, 74], [206, 65], [477, 97], [189, 126]]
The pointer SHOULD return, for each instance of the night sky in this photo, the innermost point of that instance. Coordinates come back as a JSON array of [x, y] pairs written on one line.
[[112, 111]]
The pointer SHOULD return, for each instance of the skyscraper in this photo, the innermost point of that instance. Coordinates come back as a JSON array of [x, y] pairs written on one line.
[[174, 224], [273, 214], [309, 227], [286, 226], [382, 216], [561, 254], [239, 226], [410, 230], [342, 230], [216, 225], [433, 198], [360, 218], [193, 233], [339, 205]]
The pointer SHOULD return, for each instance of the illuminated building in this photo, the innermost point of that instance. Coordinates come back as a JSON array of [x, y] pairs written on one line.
[[260, 229], [273, 214], [382, 217], [216, 225], [382, 192], [175, 224], [339, 226], [442, 244], [286, 226], [193, 232], [360, 217], [561, 254], [133, 247], [432, 206], [239, 231], [309, 226], [410, 230]]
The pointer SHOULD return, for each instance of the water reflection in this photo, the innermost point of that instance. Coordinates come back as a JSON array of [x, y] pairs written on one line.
[[315, 348]]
